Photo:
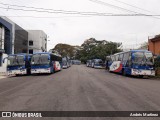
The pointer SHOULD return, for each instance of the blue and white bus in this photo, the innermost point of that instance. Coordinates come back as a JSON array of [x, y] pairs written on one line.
[[97, 63], [89, 63], [66, 62], [133, 62], [18, 64], [45, 63]]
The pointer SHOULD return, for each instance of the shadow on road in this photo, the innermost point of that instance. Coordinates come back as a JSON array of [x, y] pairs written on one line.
[[136, 77]]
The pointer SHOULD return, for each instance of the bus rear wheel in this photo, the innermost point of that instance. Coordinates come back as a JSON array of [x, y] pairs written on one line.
[[123, 72]]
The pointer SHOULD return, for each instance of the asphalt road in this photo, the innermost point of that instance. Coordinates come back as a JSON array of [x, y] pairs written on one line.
[[80, 88]]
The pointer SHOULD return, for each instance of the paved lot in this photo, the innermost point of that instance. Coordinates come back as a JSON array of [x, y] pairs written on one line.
[[80, 88]]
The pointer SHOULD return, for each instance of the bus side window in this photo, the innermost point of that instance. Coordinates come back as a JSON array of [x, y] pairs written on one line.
[[113, 58], [117, 58], [126, 59], [130, 60], [120, 57]]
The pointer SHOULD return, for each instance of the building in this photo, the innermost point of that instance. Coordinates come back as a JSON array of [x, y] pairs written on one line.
[[13, 38], [154, 45], [37, 41]]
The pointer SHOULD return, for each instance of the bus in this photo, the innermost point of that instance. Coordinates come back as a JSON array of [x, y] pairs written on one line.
[[76, 62], [45, 63], [133, 62], [97, 63], [18, 64], [89, 63], [65, 62]]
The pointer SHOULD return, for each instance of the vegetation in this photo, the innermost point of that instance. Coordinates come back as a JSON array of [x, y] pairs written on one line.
[[64, 50], [93, 48], [90, 49], [157, 65], [157, 62], [144, 46]]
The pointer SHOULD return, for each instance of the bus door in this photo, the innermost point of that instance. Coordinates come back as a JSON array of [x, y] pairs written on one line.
[[127, 63]]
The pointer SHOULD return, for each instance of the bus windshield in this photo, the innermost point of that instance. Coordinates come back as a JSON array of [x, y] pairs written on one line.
[[64, 62], [38, 59], [149, 58], [98, 61], [142, 58], [16, 60]]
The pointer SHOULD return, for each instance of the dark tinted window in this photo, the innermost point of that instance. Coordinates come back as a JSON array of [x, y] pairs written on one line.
[[31, 51], [30, 43]]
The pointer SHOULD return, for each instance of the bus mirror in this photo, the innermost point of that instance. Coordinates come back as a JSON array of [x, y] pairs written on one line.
[[4, 60]]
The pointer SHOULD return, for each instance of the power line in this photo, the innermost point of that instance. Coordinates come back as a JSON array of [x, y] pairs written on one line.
[[133, 6], [41, 11], [42, 16], [120, 8], [53, 10], [70, 12], [123, 15], [113, 6]]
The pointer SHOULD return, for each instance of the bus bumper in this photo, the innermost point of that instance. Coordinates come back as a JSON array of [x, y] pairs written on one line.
[[17, 72], [136, 72], [64, 67], [99, 67], [35, 71]]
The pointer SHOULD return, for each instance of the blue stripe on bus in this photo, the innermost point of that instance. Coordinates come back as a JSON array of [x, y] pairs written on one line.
[[15, 67]]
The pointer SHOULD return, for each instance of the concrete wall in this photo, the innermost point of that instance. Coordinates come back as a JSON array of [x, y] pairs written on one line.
[[39, 39]]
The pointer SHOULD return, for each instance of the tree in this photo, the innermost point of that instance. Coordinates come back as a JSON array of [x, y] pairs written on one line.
[[93, 48], [64, 50], [144, 46], [90, 49]]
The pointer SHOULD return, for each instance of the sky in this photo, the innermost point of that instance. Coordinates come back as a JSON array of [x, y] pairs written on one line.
[[74, 28]]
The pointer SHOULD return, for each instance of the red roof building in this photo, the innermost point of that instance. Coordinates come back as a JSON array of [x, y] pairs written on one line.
[[154, 45]]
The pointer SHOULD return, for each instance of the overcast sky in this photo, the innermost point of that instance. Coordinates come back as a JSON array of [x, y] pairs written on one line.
[[74, 29]]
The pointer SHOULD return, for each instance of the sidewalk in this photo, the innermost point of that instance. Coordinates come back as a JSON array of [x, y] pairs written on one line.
[[3, 76]]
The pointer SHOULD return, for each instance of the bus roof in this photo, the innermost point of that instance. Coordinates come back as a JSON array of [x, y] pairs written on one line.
[[19, 54], [47, 53], [96, 59], [131, 51]]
